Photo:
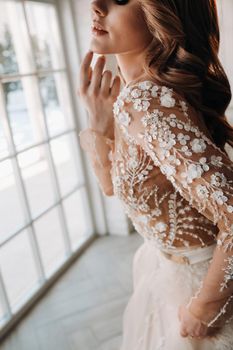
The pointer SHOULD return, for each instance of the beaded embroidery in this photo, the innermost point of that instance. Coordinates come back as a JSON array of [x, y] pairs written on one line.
[[200, 173], [143, 203]]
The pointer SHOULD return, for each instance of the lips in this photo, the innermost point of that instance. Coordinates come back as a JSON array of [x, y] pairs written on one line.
[[98, 26]]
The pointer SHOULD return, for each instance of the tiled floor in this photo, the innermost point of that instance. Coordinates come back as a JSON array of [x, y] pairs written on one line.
[[83, 310]]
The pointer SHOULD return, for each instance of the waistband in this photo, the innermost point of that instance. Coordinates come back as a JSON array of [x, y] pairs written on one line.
[[191, 255], [184, 255]]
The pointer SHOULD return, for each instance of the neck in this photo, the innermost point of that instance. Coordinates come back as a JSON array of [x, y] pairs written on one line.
[[131, 65]]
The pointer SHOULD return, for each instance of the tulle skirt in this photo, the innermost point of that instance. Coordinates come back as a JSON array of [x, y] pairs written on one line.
[[150, 319]]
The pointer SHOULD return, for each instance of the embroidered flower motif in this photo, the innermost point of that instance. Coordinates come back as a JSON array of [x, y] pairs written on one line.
[[117, 181], [136, 93], [141, 105], [168, 169], [124, 118], [219, 197], [133, 163], [165, 90], [124, 94], [157, 212], [230, 209], [167, 100], [160, 226], [132, 151], [218, 179], [117, 105], [116, 108], [183, 138], [198, 145], [184, 106], [145, 94], [144, 219], [173, 160], [167, 140], [205, 166], [145, 85], [141, 177], [151, 118], [154, 91], [194, 171], [216, 160], [202, 191], [228, 269]]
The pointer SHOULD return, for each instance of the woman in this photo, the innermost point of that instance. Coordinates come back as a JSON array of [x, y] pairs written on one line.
[[158, 144]]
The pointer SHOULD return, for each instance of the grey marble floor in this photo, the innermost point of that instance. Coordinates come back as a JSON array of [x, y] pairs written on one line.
[[83, 310]]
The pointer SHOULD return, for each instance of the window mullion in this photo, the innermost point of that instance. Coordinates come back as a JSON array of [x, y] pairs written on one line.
[[66, 237], [65, 10], [55, 183], [20, 186], [4, 299]]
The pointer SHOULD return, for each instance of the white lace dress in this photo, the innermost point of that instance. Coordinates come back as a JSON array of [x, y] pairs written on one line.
[[176, 185]]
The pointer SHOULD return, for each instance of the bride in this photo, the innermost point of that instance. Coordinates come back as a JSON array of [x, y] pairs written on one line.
[[158, 145]]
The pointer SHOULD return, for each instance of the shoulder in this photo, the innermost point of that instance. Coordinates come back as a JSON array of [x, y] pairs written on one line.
[[144, 97], [146, 109]]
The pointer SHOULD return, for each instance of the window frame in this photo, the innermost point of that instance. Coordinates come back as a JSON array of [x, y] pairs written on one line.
[[10, 318]]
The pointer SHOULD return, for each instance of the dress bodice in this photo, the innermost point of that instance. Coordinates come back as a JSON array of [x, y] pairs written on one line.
[[175, 184], [156, 208]]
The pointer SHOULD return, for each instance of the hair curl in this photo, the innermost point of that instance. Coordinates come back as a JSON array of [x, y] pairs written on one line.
[[184, 55]]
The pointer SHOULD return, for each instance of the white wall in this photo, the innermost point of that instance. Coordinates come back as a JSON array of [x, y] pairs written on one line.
[[225, 10]]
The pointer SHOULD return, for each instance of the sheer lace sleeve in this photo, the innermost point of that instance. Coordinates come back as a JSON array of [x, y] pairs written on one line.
[[99, 148], [171, 133]]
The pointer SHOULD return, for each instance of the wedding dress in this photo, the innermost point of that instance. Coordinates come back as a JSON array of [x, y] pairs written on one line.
[[176, 186]]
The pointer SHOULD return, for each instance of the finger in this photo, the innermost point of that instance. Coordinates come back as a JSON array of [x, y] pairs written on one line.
[[106, 82], [200, 332], [89, 74], [115, 89], [97, 74], [85, 71], [179, 316], [183, 333], [89, 79]]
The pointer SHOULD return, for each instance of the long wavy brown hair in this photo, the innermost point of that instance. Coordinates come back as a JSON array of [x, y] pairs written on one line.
[[184, 56]]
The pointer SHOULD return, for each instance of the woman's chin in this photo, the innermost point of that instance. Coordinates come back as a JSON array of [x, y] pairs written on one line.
[[98, 48]]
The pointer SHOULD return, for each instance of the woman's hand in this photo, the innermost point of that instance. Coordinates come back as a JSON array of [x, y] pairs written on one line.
[[97, 94], [190, 326]]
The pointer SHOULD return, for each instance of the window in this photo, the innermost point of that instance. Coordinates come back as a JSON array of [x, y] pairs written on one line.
[[43, 200], [225, 10]]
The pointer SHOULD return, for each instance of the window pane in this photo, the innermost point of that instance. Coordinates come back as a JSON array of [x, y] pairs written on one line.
[[56, 103], [64, 150], [44, 35], [23, 112], [15, 53], [50, 240], [2, 315], [78, 217], [37, 178], [8, 61], [9, 201], [18, 268], [4, 151]]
